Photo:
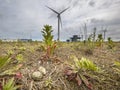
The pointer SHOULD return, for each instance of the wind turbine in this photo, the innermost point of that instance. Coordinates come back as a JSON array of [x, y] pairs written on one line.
[[104, 32], [59, 19], [81, 33], [85, 31]]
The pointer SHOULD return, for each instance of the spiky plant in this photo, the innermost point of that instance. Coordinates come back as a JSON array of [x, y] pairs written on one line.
[[85, 64], [49, 44], [110, 43], [47, 34], [100, 40]]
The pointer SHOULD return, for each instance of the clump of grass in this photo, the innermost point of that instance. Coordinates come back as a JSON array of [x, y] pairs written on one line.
[[10, 52], [0, 41], [117, 67], [10, 85], [19, 57], [22, 48], [4, 60], [117, 63]]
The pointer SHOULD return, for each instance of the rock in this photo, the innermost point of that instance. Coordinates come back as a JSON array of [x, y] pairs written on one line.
[[37, 75], [42, 70]]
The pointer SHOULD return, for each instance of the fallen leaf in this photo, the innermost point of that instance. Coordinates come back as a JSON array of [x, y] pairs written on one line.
[[1, 87], [68, 72], [72, 76], [18, 75], [78, 80], [86, 82]]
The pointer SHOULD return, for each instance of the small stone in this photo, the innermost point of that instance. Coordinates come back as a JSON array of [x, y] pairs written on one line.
[[42, 70], [15, 62], [37, 75]]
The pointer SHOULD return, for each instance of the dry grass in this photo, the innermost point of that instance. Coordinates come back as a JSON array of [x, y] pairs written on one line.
[[108, 79]]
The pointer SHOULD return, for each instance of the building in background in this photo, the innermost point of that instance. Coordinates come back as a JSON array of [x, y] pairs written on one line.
[[25, 40], [74, 38]]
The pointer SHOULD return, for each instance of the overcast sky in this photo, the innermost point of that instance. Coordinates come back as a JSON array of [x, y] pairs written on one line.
[[26, 18]]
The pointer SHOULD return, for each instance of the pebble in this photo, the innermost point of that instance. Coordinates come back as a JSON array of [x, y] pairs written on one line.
[[42, 70], [37, 75]]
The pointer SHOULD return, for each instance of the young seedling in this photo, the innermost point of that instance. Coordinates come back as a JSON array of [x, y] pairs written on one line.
[[49, 44], [99, 40], [110, 43], [48, 83]]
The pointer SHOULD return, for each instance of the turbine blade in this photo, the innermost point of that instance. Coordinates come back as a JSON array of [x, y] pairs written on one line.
[[52, 10], [64, 10], [60, 21]]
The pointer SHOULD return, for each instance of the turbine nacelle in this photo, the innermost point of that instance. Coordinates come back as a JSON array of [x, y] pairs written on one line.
[[56, 11]]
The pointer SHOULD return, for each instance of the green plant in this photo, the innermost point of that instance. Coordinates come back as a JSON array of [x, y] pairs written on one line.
[[11, 70], [77, 69], [0, 41], [84, 64], [48, 83], [77, 76], [117, 67], [90, 41], [22, 48], [4, 70], [117, 63], [10, 52], [49, 44], [10, 85], [4, 60], [32, 49], [110, 43], [19, 57], [99, 40]]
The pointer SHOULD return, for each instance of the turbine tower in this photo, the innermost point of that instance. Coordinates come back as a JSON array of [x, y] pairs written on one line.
[[59, 19], [104, 32], [85, 32]]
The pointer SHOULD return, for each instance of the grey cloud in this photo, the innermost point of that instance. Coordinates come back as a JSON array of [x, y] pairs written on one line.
[[95, 21], [19, 17], [92, 3]]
